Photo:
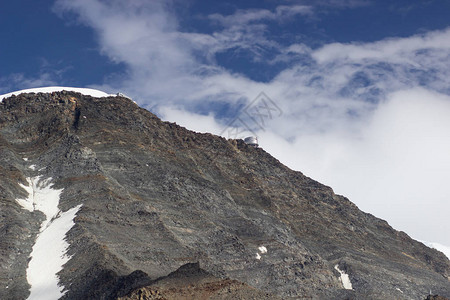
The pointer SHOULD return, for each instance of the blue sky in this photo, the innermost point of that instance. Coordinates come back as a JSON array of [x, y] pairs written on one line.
[[46, 42], [363, 86]]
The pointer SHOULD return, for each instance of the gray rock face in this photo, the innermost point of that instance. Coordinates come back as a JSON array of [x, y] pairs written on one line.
[[156, 198]]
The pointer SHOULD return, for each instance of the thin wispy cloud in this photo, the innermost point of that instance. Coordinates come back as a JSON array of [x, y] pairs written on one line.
[[241, 17], [353, 113], [401, 50], [20, 81], [341, 4], [245, 30]]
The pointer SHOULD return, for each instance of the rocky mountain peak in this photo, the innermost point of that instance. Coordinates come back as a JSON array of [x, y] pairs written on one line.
[[139, 206]]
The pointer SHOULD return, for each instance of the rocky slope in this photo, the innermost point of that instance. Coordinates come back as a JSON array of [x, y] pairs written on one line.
[[166, 213]]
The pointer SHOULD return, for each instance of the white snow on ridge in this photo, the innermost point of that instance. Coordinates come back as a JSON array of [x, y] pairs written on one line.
[[345, 279], [439, 247], [49, 251], [50, 89]]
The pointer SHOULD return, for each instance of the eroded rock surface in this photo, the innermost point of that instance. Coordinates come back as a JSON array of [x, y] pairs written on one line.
[[156, 197]]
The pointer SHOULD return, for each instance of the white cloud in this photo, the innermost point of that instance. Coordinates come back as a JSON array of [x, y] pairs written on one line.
[[399, 50], [246, 29], [245, 16], [20, 81], [184, 118], [397, 166], [342, 3], [162, 61], [387, 154]]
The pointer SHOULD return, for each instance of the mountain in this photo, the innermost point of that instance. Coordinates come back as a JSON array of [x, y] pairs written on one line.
[[100, 199]]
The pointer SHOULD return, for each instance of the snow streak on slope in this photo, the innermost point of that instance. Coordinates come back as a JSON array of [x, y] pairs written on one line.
[[48, 257], [27, 203], [345, 279], [41, 197], [49, 251], [50, 89]]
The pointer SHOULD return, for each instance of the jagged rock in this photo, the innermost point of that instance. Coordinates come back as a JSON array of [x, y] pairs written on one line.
[[156, 197]]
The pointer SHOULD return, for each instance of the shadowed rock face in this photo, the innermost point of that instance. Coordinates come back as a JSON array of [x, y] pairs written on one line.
[[191, 282], [157, 198]]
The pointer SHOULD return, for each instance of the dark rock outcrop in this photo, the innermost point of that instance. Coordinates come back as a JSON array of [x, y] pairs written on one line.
[[156, 197], [191, 282]]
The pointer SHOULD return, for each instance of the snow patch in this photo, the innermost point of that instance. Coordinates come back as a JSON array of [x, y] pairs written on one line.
[[262, 250], [41, 197], [399, 290], [25, 159], [48, 257], [439, 247], [51, 89], [345, 279], [27, 203], [49, 251], [32, 167]]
